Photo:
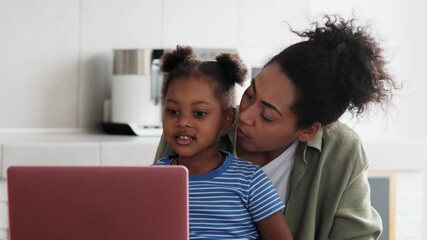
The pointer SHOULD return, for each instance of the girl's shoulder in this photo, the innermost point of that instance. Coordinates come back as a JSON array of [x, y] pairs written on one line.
[[166, 160], [240, 162]]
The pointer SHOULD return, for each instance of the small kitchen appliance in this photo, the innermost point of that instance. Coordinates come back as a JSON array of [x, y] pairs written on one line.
[[135, 99]]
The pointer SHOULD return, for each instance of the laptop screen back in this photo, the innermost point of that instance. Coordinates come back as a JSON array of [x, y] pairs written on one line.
[[108, 203]]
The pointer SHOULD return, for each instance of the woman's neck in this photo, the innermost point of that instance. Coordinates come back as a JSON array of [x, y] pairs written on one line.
[[256, 157], [260, 158]]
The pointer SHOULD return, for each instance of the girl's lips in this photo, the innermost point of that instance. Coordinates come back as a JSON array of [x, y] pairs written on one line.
[[183, 140], [240, 133]]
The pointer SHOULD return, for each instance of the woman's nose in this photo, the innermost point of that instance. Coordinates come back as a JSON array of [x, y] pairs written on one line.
[[247, 115]]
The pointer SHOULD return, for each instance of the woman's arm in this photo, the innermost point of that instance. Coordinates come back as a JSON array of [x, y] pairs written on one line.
[[274, 227], [355, 217], [163, 149]]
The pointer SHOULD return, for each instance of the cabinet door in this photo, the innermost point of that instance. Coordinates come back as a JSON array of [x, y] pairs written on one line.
[[139, 153]]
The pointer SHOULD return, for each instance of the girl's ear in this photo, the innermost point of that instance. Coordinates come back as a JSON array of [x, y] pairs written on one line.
[[230, 114], [308, 133]]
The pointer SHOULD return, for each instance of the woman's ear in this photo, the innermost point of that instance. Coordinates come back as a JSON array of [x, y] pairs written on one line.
[[308, 133], [230, 114]]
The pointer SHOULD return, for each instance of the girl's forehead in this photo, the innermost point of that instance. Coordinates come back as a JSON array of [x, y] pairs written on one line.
[[193, 91], [191, 78], [194, 84]]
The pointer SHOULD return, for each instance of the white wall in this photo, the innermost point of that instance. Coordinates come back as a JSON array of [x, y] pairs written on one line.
[[39, 48], [398, 24]]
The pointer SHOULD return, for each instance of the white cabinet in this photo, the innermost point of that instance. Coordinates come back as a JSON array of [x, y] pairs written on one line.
[[50, 154], [83, 149], [131, 154]]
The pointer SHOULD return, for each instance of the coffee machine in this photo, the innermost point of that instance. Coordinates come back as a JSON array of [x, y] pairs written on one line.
[[136, 106]]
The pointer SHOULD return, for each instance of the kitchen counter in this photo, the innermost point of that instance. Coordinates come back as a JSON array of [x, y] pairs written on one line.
[[75, 147]]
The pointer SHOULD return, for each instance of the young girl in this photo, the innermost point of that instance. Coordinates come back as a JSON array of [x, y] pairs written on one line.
[[230, 198]]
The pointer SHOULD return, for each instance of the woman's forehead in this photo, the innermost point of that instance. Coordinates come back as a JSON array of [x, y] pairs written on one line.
[[273, 86]]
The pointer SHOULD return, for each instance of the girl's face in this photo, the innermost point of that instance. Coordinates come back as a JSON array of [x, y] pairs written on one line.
[[193, 117], [266, 122]]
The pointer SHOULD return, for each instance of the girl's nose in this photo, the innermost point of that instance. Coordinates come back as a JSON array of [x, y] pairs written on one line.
[[184, 122]]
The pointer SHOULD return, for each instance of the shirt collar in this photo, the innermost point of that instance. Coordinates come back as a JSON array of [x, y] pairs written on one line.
[[316, 142]]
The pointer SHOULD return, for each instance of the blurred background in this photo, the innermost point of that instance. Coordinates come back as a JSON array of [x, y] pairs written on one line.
[[56, 72]]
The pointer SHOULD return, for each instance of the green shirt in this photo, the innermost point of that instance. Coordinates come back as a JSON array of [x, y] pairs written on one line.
[[329, 194]]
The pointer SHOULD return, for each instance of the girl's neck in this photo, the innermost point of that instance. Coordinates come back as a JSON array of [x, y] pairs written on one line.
[[202, 163]]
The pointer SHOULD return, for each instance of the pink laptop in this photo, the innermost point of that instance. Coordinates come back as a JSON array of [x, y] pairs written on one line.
[[98, 203]]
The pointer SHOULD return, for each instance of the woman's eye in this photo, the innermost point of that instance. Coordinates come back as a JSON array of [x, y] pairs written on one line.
[[265, 118], [199, 113], [249, 94]]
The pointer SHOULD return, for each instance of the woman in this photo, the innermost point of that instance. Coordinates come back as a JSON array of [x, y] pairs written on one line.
[[288, 124]]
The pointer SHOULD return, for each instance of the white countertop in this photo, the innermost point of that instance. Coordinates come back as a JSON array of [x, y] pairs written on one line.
[[68, 136], [74, 147]]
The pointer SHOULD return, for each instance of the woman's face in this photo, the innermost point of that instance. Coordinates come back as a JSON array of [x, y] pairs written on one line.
[[266, 121]]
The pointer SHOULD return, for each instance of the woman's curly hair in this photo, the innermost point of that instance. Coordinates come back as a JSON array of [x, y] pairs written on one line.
[[339, 67]]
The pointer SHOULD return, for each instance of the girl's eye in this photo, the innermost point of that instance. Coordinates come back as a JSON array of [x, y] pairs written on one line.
[[199, 113], [171, 111]]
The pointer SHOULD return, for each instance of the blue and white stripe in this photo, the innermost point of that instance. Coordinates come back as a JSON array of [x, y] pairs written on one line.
[[225, 203]]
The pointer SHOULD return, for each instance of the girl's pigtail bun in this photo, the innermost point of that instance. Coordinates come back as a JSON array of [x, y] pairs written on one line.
[[233, 66], [171, 59]]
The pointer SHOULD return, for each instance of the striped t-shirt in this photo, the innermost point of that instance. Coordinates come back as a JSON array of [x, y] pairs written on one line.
[[226, 202]]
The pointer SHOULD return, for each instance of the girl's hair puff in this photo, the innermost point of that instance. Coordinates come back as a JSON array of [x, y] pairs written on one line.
[[224, 73], [175, 64], [172, 59]]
